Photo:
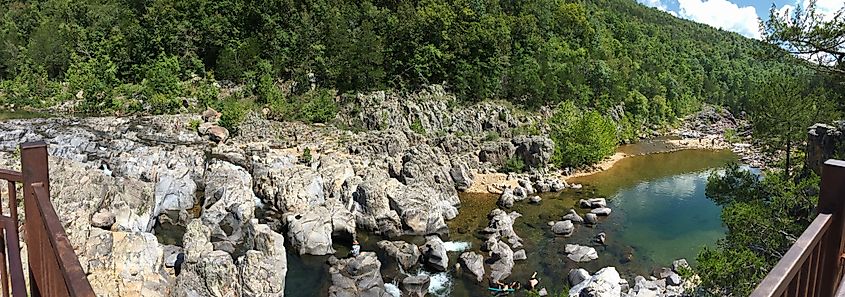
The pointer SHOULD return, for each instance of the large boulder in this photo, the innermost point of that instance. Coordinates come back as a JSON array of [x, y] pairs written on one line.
[[605, 283], [580, 253], [416, 286], [263, 269], [474, 263], [369, 201], [434, 254], [311, 232], [535, 151], [125, 264], [573, 216], [406, 254], [289, 188], [564, 228], [229, 204], [461, 175], [356, 276], [507, 198], [576, 276], [502, 258], [214, 275], [500, 227]]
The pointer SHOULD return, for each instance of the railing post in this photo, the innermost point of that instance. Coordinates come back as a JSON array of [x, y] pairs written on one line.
[[832, 201], [34, 170]]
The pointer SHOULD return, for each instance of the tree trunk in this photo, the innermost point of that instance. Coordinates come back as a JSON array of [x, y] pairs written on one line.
[[788, 155]]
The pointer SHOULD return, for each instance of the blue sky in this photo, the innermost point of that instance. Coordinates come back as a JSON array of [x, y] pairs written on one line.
[[740, 16]]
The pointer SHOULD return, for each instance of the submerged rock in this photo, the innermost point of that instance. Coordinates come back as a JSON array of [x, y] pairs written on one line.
[[591, 219], [603, 211]]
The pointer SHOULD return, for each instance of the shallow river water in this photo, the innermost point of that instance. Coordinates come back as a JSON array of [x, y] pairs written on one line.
[[659, 214]]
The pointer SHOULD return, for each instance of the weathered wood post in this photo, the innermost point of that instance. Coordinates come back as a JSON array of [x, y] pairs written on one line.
[[832, 201], [34, 170]]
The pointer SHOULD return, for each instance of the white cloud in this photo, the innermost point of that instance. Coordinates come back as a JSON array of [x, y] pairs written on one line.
[[826, 8], [659, 5], [722, 14]]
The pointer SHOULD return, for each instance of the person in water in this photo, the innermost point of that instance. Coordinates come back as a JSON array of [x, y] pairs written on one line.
[[356, 248], [533, 282]]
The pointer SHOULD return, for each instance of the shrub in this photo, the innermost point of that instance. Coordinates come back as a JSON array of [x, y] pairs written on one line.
[[194, 124], [206, 92], [265, 86], [163, 104], [514, 164], [417, 127], [96, 78], [731, 136], [232, 113], [306, 156], [318, 106], [162, 77], [491, 136]]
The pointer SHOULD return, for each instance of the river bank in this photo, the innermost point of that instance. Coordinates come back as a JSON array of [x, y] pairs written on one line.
[[705, 130]]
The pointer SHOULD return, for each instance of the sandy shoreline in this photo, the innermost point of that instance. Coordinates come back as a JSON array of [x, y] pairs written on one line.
[[485, 183]]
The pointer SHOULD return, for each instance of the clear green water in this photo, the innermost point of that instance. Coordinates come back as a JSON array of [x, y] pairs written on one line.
[[19, 114], [659, 214]]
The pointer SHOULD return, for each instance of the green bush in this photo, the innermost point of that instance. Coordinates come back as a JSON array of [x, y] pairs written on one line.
[[164, 104], [318, 106], [581, 138], [306, 156], [206, 92], [232, 113], [417, 127], [162, 77], [96, 78], [194, 124], [731, 136], [491, 136], [514, 164]]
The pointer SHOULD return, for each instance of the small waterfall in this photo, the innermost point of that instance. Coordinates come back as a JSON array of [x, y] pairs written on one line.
[[393, 290], [456, 246], [441, 283]]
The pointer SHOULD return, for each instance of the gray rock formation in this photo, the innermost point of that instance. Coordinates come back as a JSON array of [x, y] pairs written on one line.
[[474, 263], [356, 276], [502, 258], [500, 227], [580, 253], [576, 276], [535, 151], [605, 283], [434, 254], [263, 269], [406, 254], [416, 286], [564, 228]]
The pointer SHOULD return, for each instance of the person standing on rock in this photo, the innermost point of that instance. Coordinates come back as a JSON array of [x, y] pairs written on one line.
[[356, 248]]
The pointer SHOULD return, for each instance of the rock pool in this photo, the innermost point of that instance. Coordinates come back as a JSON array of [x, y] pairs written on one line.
[[660, 213]]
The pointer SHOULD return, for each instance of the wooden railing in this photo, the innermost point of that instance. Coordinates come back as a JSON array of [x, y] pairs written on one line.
[[813, 265], [54, 269]]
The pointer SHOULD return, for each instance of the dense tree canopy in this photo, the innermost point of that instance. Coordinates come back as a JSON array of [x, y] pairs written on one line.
[[596, 53]]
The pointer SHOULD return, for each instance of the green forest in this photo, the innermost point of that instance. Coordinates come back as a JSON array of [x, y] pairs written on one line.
[[141, 56]]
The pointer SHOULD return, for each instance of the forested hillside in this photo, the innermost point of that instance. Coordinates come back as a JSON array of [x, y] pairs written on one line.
[[596, 53]]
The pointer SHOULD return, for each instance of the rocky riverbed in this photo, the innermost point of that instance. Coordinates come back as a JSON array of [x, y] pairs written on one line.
[[154, 207]]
